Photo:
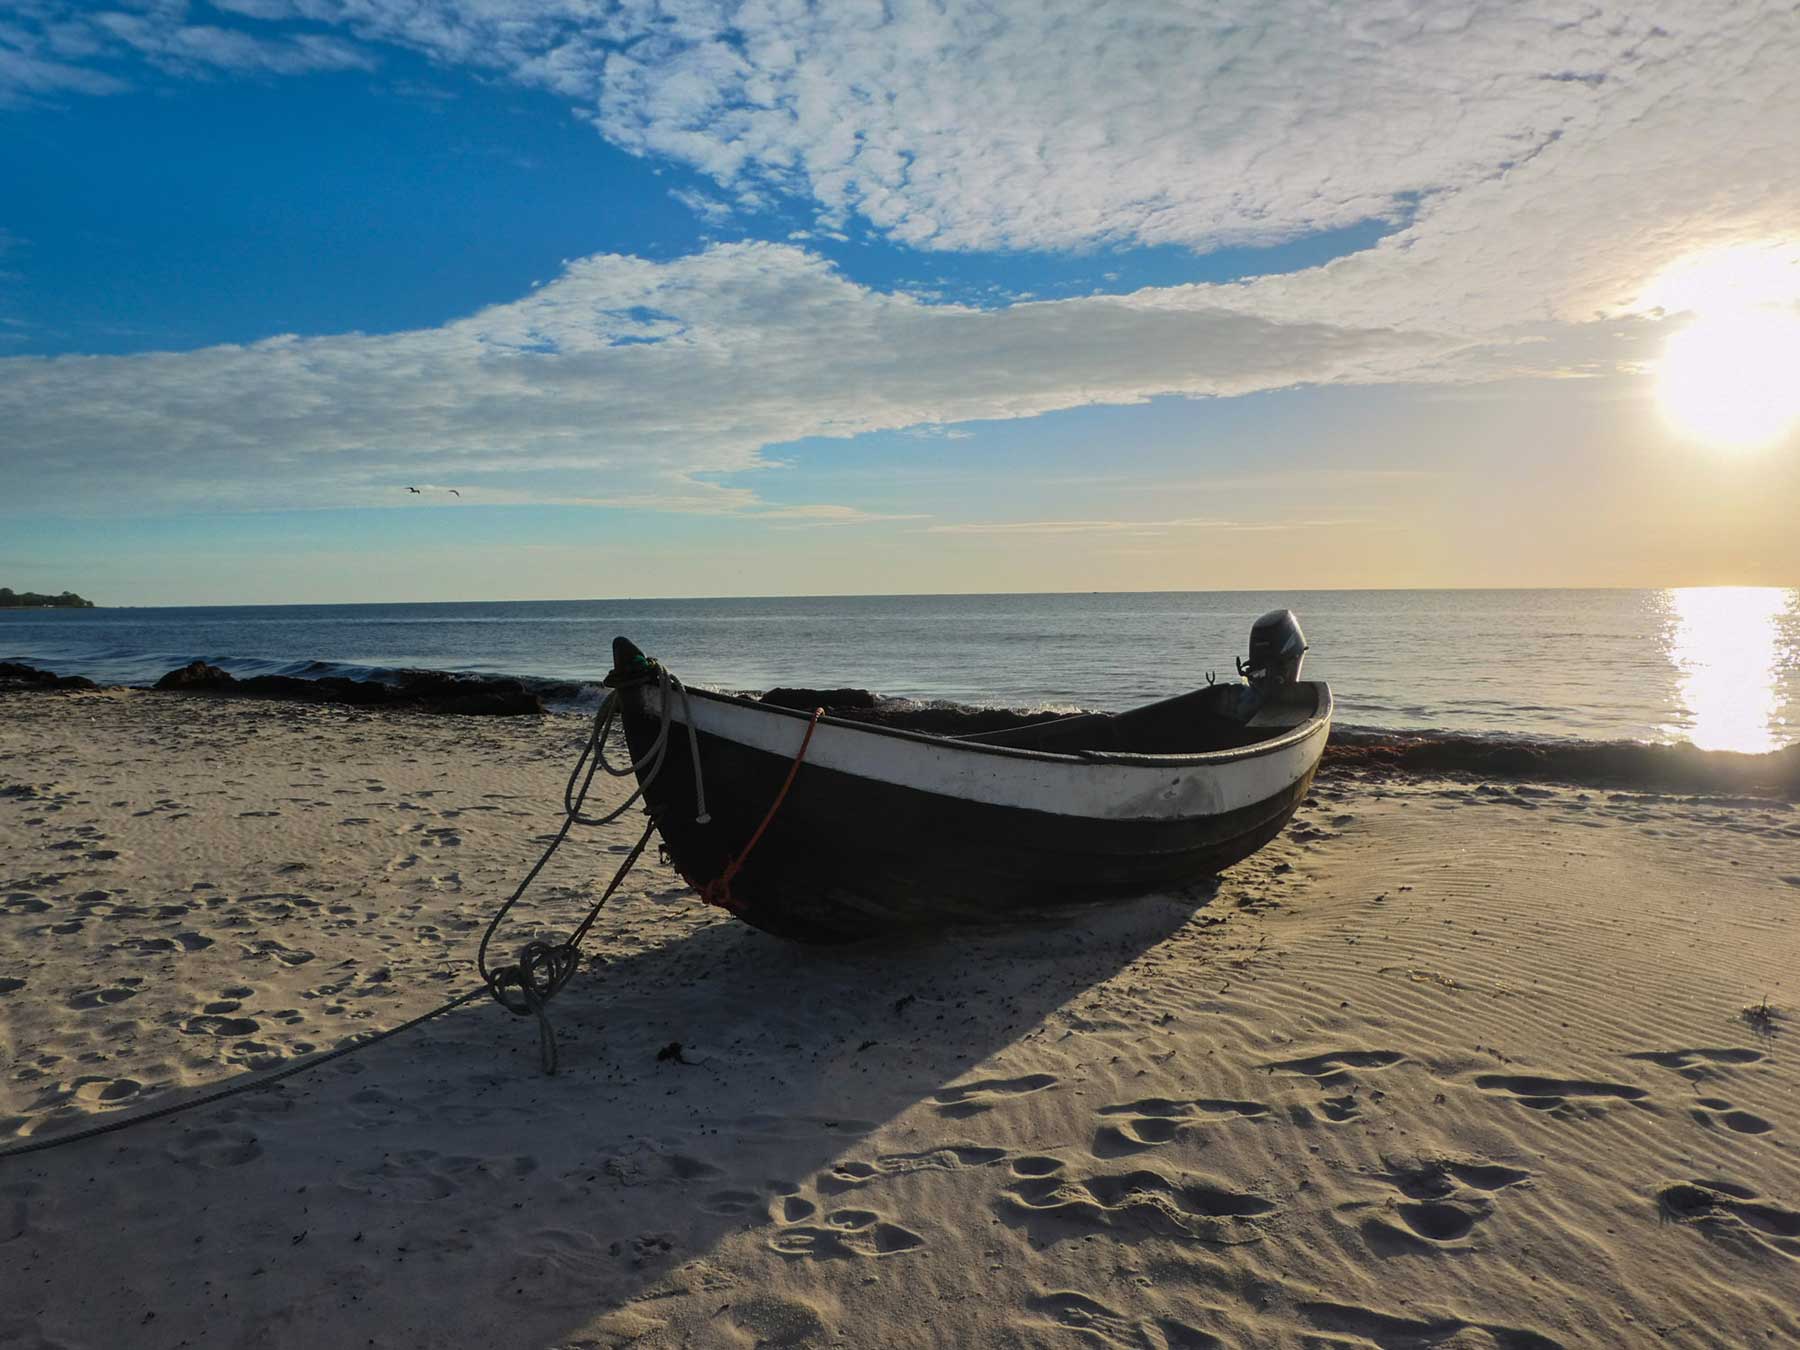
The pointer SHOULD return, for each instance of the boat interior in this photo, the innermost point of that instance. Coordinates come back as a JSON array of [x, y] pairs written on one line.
[[1214, 717]]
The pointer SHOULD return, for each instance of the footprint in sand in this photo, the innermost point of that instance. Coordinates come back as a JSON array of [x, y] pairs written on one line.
[[1333, 1068], [89, 999], [1726, 1209], [209, 1024], [9, 984], [1154, 1121], [1389, 1330], [288, 956], [1697, 1064], [105, 1092], [1559, 1095], [1140, 1202], [846, 1232], [968, 1099], [777, 1202], [1439, 1177], [1098, 1324], [1716, 1111], [846, 1176], [1438, 1212]]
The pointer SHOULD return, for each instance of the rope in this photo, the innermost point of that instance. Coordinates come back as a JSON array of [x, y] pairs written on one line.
[[233, 1089], [526, 987], [542, 968], [718, 890]]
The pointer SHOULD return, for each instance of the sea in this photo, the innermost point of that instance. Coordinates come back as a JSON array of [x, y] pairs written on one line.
[[1717, 667]]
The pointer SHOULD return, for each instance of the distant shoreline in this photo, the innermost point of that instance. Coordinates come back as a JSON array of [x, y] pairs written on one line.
[[11, 599]]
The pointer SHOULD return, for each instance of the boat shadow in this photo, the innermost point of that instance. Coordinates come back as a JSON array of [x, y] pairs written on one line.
[[442, 1172]]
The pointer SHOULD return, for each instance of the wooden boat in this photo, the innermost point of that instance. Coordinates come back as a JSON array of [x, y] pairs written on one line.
[[884, 826]]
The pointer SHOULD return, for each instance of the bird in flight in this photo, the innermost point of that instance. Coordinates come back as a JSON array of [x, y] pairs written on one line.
[[414, 489], [455, 493]]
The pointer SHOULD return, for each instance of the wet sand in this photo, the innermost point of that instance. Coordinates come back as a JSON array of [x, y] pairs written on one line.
[[1452, 1063]]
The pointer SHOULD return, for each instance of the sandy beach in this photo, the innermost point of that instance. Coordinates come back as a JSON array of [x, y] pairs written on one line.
[[1452, 1063]]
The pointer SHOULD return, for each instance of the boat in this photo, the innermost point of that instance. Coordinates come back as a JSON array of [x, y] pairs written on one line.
[[832, 823]]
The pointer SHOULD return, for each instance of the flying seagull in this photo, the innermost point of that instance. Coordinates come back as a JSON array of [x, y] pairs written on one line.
[[455, 493], [414, 489]]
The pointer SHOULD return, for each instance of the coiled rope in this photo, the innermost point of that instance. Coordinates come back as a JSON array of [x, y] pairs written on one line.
[[525, 987]]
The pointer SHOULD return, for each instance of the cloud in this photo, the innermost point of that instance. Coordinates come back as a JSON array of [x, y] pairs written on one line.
[[625, 377], [49, 48], [1056, 124], [1542, 162], [30, 72], [186, 48], [710, 209], [1539, 159]]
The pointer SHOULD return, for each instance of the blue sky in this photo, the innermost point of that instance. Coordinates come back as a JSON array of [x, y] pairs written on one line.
[[766, 298]]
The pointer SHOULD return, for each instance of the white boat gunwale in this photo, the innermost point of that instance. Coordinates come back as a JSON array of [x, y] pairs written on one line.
[[1318, 722]]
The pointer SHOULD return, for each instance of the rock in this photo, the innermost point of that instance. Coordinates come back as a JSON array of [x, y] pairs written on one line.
[[468, 695], [335, 689], [808, 699], [16, 676], [196, 675], [425, 690]]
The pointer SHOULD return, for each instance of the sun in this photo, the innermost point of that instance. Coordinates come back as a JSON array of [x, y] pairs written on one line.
[[1731, 378]]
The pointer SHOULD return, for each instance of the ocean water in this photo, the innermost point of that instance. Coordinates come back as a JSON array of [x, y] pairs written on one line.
[[1717, 667]]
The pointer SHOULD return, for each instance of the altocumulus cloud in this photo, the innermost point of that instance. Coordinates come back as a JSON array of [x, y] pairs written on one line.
[[1542, 162]]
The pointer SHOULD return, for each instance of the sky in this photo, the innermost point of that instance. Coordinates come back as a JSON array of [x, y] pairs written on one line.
[[688, 297]]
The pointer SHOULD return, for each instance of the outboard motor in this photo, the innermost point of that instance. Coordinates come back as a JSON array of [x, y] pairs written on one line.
[[1277, 647]]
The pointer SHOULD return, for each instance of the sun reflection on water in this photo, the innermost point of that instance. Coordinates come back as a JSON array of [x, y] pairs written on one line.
[[1728, 650]]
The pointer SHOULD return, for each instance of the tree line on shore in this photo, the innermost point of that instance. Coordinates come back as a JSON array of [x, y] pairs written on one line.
[[11, 599]]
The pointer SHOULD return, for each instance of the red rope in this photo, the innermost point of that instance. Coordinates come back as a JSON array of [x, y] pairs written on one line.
[[718, 890]]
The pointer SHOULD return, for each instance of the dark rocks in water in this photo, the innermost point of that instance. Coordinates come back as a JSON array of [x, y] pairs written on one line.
[[949, 719], [938, 719], [1652, 768], [332, 689], [196, 675], [471, 695], [833, 700], [16, 676], [424, 690]]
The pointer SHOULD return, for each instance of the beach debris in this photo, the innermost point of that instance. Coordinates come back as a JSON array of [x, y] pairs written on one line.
[[1761, 1017]]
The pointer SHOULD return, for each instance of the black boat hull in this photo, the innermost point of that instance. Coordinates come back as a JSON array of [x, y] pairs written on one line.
[[848, 855]]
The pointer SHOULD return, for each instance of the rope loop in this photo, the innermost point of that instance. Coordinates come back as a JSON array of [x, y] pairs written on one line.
[[525, 987]]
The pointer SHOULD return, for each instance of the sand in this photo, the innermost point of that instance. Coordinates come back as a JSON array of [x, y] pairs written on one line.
[[1450, 1064]]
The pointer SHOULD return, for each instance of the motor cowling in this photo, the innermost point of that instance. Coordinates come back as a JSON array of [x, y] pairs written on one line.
[[1277, 647]]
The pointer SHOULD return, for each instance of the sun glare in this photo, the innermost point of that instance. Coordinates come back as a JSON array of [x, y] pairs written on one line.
[[1731, 378], [1725, 645]]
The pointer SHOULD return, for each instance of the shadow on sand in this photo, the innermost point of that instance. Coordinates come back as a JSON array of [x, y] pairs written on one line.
[[438, 1189]]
